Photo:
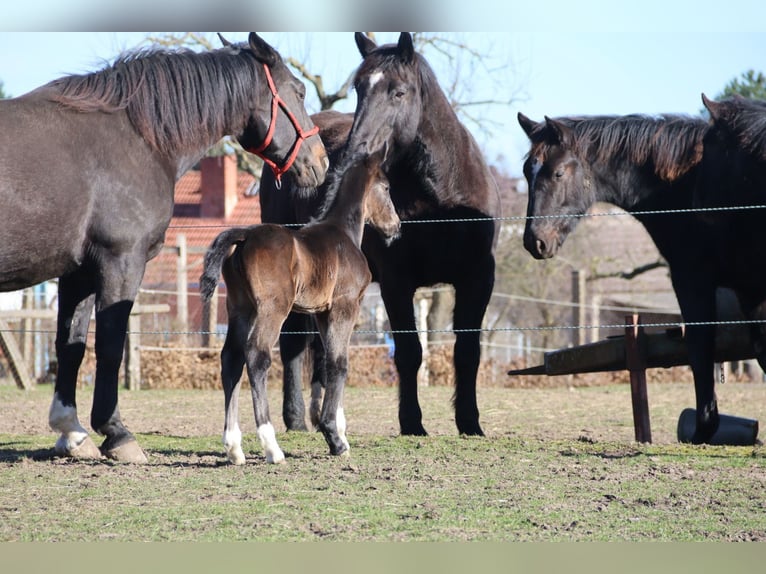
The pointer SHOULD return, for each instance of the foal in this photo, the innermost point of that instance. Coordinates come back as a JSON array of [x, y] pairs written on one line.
[[318, 270]]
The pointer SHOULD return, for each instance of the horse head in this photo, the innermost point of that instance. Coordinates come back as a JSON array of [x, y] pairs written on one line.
[[279, 129], [733, 167], [559, 185], [379, 209], [389, 98]]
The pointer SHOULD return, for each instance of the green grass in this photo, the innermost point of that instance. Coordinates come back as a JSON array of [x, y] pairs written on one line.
[[427, 489]]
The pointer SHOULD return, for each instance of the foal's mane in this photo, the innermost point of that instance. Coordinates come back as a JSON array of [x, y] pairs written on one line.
[[670, 143], [176, 99], [333, 181], [746, 119]]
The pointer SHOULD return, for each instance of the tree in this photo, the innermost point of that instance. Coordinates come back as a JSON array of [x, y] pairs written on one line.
[[3, 95], [750, 84]]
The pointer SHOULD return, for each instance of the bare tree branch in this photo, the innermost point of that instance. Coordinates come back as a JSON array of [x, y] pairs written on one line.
[[630, 274]]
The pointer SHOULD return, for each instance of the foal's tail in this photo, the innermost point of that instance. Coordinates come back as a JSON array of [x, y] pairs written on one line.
[[215, 256]]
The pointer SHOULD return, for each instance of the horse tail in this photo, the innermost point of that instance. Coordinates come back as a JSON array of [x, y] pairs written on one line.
[[215, 256]]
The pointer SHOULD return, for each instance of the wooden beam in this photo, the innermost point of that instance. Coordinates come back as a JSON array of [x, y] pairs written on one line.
[[18, 365]]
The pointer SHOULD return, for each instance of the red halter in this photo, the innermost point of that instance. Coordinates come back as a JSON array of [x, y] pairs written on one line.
[[276, 103]]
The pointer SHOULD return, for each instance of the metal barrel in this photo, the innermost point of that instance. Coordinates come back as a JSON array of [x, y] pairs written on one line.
[[735, 431]]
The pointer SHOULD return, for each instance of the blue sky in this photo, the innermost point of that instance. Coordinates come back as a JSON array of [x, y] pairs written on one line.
[[621, 57]]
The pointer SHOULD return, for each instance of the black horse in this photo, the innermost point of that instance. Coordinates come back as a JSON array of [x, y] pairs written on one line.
[[733, 175], [87, 174], [640, 164], [437, 172]]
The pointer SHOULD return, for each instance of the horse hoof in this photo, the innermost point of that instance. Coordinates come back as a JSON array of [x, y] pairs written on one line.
[[128, 452], [86, 450]]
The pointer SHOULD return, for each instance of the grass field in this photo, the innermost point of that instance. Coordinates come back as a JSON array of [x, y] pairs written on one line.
[[557, 464]]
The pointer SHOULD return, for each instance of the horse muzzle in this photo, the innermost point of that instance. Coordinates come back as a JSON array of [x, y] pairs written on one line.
[[541, 245]]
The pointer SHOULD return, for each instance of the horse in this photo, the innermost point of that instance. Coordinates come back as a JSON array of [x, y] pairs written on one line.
[[642, 164], [733, 174], [270, 270], [87, 177], [445, 195]]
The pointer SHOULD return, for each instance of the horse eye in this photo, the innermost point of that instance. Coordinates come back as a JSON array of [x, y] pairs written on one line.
[[399, 93], [558, 174]]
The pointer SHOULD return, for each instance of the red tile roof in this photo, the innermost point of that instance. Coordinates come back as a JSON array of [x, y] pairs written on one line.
[[199, 231]]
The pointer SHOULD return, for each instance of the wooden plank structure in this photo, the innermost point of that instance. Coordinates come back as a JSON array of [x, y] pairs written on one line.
[[635, 352], [18, 365], [16, 362]]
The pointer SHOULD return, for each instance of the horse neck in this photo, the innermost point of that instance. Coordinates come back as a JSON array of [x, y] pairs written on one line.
[[347, 210], [632, 187], [447, 160]]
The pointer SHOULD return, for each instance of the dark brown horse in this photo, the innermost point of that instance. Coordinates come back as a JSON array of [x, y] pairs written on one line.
[[733, 175], [641, 164], [319, 270], [437, 172], [87, 174]]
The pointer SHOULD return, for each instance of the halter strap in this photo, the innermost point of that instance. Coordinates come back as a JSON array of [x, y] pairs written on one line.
[[276, 103]]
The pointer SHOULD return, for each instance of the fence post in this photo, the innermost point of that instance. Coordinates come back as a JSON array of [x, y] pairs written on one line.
[[133, 353], [182, 298], [209, 319], [635, 359], [578, 307], [422, 323]]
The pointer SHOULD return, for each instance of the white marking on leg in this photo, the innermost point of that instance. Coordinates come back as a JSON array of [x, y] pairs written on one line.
[[232, 442], [340, 424], [64, 419], [268, 439], [375, 77]]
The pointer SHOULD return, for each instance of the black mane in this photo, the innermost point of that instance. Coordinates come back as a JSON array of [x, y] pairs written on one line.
[[671, 143]]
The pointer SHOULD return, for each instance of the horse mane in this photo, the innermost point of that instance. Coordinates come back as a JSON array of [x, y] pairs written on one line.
[[670, 143], [174, 98], [746, 120], [333, 180]]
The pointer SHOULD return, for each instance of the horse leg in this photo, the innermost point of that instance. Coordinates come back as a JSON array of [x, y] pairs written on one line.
[[232, 363], [76, 298], [758, 333], [336, 327], [258, 362], [471, 300], [408, 355], [318, 379], [292, 349], [698, 306], [120, 279]]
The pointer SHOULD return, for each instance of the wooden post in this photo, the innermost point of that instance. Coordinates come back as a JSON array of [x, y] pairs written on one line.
[[16, 362], [133, 353], [182, 282], [578, 306], [422, 322], [636, 363], [133, 343]]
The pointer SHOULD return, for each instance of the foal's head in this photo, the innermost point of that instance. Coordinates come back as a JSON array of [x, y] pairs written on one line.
[[379, 210]]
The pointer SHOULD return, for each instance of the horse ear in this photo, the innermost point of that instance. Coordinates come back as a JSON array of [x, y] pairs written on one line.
[[224, 41], [714, 108], [526, 124], [406, 48], [364, 43], [561, 131], [263, 51]]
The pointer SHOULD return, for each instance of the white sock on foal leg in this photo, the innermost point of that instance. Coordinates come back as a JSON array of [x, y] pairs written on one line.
[[340, 424], [232, 442], [268, 440]]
